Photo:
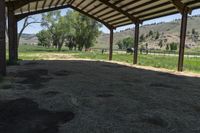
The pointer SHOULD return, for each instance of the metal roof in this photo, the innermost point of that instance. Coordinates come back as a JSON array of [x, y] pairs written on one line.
[[112, 13]]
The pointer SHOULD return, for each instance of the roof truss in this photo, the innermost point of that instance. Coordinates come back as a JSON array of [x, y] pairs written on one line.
[[112, 13]]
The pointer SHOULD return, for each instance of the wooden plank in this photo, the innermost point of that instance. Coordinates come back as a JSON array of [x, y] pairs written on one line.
[[12, 35], [2, 39], [182, 40], [136, 42], [111, 45]]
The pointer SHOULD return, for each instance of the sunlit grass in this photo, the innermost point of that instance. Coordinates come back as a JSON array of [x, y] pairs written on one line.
[[158, 61]]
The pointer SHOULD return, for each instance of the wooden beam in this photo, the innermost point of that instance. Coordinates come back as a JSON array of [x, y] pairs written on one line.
[[22, 16], [132, 18], [182, 40], [12, 35], [2, 38], [91, 16], [111, 45], [181, 6], [20, 3], [136, 43]]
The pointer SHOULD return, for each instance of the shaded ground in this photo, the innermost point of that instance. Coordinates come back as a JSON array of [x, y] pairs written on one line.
[[97, 97]]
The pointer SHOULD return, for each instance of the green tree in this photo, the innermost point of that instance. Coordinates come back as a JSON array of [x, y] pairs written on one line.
[[120, 45], [44, 38], [150, 33], [157, 35], [128, 42], [86, 30], [160, 44], [167, 47], [55, 24], [142, 38], [73, 29], [173, 46], [125, 43]]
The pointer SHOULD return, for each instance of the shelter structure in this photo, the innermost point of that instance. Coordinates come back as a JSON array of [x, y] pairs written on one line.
[[111, 13]]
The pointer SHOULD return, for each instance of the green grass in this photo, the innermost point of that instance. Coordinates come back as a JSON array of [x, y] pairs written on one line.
[[190, 64], [169, 62]]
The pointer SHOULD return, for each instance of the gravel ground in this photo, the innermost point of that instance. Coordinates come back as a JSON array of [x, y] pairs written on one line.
[[97, 97]]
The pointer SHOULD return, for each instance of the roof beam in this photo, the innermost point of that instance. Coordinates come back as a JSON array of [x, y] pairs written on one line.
[[181, 6], [22, 16], [89, 4], [20, 3], [132, 18], [93, 17]]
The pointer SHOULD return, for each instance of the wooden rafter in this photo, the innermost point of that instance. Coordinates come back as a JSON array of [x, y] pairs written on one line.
[[132, 18], [20, 3], [181, 6], [89, 4], [113, 13]]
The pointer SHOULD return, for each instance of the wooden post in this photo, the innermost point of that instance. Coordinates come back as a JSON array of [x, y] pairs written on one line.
[[12, 35], [182, 40], [2, 39], [111, 45], [135, 57]]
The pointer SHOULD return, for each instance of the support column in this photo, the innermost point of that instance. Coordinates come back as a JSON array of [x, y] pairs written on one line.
[[111, 45], [12, 35], [135, 56], [182, 40], [2, 39]]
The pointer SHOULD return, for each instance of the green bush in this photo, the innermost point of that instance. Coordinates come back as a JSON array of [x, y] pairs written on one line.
[[173, 46], [125, 43]]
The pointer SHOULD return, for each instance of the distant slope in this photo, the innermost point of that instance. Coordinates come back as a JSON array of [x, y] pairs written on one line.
[[170, 30], [28, 39]]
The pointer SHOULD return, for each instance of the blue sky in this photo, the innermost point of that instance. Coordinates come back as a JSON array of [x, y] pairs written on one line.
[[35, 28]]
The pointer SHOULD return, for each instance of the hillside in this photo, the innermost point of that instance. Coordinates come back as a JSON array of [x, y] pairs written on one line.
[[169, 31], [28, 39]]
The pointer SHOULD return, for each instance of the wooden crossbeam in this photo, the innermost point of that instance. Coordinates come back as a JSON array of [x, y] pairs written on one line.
[[20, 3], [132, 18], [181, 6]]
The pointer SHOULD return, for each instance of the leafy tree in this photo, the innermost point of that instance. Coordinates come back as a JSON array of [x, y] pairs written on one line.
[[167, 47], [193, 31], [142, 38], [160, 43], [73, 29], [195, 35], [120, 44], [173, 46], [53, 22], [44, 38], [128, 42], [157, 35], [86, 30], [125, 43], [150, 33]]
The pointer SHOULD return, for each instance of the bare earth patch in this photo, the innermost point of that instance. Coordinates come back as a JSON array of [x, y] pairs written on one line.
[[82, 96]]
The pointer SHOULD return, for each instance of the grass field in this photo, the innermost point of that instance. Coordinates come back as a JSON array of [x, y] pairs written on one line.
[[159, 61]]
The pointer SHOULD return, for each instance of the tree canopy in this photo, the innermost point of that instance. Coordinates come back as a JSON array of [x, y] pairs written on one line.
[[73, 30]]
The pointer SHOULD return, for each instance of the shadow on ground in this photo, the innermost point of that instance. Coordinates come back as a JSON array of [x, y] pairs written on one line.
[[93, 96]]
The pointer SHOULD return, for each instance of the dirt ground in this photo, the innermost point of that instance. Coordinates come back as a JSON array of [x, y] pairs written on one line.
[[97, 97]]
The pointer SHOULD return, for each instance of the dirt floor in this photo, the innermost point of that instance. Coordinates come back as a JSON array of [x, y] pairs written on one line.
[[97, 97]]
